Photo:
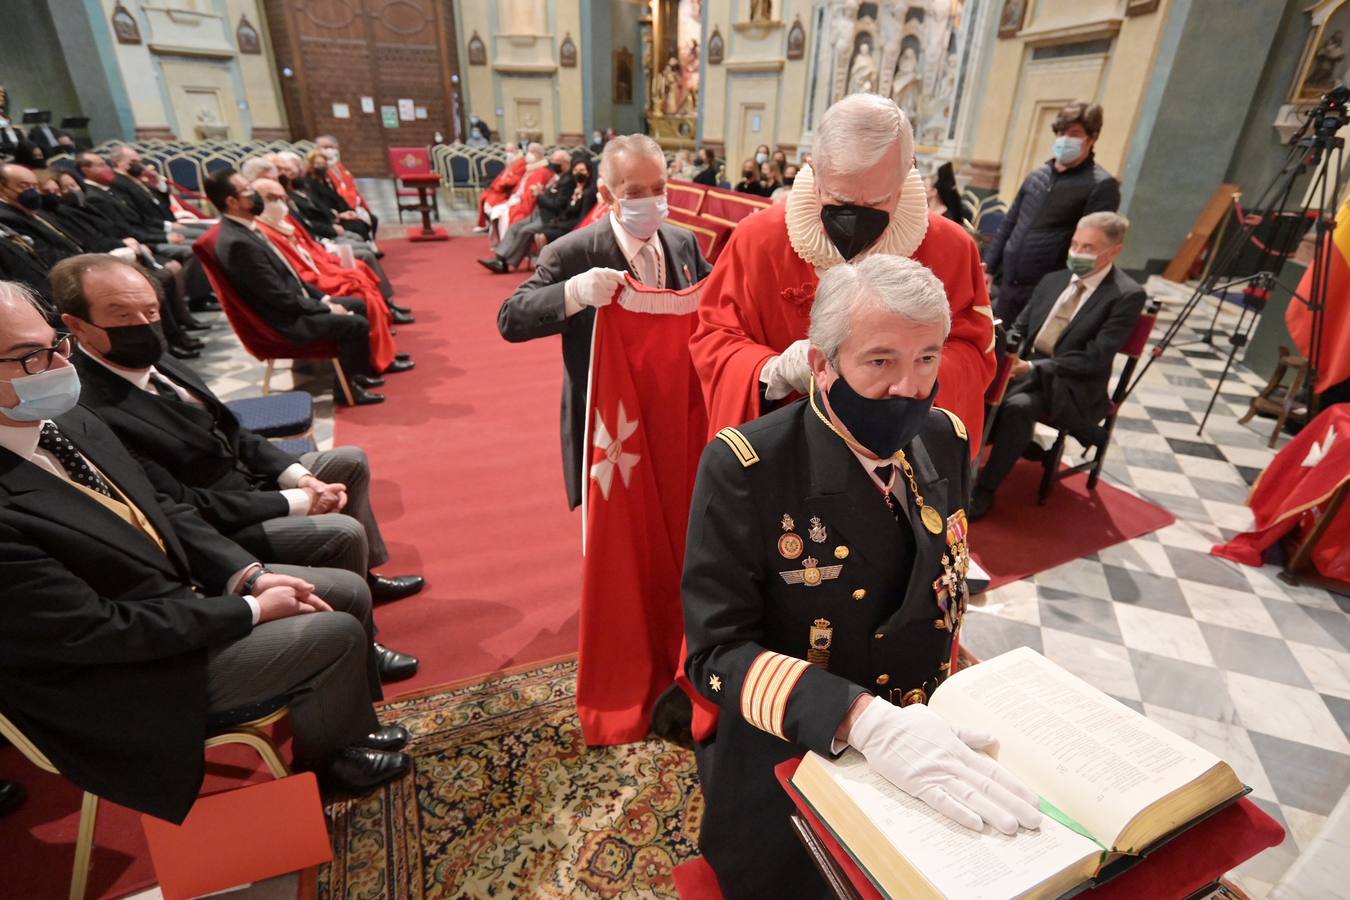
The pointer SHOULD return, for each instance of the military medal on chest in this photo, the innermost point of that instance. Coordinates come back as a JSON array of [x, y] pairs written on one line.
[[818, 650], [790, 545], [950, 588]]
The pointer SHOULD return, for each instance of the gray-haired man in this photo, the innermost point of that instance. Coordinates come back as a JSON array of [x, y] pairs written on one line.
[[824, 581]]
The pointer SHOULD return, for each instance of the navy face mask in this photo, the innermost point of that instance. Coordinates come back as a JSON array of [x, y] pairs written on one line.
[[884, 425]]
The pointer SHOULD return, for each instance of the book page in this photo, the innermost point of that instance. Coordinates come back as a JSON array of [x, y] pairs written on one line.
[[1095, 758], [960, 863]]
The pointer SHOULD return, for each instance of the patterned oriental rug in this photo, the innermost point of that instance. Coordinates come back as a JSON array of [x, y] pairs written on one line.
[[507, 801]]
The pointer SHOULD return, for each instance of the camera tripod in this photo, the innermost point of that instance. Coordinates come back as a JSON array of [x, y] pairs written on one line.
[[1314, 148]]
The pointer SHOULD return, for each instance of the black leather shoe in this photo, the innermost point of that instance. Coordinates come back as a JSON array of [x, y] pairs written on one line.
[[196, 325], [387, 738], [203, 304], [981, 501], [359, 770], [1034, 452], [402, 318], [189, 342], [394, 307], [178, 352], [399, 365], [12, 796], [496, 264], [360, 396], [402, 357], [384, 589], [368, 381], [392, 665]]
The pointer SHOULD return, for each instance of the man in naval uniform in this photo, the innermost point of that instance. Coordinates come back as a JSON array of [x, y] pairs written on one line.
[[824, 582]]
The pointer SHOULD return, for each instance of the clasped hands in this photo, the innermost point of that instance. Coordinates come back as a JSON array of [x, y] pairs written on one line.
[[914, 749], [323, 497], [282, 596]]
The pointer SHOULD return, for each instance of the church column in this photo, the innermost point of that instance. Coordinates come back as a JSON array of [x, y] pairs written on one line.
[[86, 35]]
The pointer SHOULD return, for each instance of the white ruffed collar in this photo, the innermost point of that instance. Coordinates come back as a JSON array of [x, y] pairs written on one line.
[[904, 234]]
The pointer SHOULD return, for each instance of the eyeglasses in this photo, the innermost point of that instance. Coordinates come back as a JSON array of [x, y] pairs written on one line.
[[39, 361]]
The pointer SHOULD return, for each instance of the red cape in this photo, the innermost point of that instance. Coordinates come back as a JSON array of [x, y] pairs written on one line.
[[528, 199], [758, 301], [326, 274], [500, 189], [345, 185]]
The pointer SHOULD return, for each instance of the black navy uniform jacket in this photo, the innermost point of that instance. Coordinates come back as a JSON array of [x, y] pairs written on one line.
[[780, 496], [103, 635]]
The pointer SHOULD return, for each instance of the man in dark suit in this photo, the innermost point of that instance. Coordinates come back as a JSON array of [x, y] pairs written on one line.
[[581, 271], [297, 310], [20, 201], [1066, 338], [130, 627], [824, 583], [310, 510]]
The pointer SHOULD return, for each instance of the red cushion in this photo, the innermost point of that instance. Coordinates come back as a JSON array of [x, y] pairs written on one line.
[[694, 880]]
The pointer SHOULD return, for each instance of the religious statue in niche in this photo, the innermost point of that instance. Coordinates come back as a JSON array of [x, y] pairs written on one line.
[[247, 37], [124, 25], [862, 74], [715, 47], [676, 97], [907, 85], [1010, 20], [477, 51], [567, 52], [796, 40], [761, 10], [623, 75]]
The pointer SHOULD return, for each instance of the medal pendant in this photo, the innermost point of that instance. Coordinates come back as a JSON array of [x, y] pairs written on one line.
[[932, 520], [790, 546]]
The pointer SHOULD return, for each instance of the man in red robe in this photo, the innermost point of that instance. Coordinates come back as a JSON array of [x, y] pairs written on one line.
[[526, 194], [861, 196], [502, 186], [315, 265], [344, 183]]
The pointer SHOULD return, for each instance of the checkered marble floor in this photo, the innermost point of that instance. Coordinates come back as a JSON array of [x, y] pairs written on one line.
[[1231, 657]]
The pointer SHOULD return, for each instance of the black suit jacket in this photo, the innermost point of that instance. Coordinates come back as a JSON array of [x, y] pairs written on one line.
[[103, 636], [200, 456], [19, 261], [50, 244], [536, 310], [310, 210], [880, 605], [142, 202], [1074, 380], [109, 204], [267, 284]]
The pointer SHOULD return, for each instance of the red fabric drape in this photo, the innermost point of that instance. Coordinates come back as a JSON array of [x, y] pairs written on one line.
[[345, 185], [500, 189]]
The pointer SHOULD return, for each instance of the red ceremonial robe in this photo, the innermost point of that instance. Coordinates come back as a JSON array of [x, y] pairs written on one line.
[[345, 185], [758, 301], [500, 189], [645, 428], [1296, 489], [528, 198], [316, 266]]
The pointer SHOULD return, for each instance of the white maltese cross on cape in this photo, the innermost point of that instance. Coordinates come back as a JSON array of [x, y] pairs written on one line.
[[615, 455]]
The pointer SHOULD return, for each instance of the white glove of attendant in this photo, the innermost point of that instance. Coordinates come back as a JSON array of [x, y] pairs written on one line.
[[788, 372], [923, 756], [594, 288]]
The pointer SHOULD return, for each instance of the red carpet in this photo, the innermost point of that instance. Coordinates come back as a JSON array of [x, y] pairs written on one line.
[[468, 487], [1020, 538]]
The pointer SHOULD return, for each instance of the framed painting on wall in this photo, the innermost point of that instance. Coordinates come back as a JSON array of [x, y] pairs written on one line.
[[567, 53], [796, 40], [1324, 64], [477, 51], [247, 37], [623, 75], [124, 25], [715, 47], [1011, 18]]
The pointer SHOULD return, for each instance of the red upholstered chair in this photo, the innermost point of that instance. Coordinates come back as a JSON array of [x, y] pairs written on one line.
[[686, 196], [1101, 436], [998, 388], [729, 207], [711, 234], [411, 161], [258, 337]]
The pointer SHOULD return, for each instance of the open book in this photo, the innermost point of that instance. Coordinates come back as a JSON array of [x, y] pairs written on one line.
[[1111, 782]]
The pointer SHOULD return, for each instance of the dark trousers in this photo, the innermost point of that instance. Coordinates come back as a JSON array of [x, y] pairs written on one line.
[[1010, 299], [519, 238], [1013, 428], [350, 333]]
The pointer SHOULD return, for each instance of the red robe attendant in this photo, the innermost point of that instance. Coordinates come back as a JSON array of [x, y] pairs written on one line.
[[528, 198], [758, 301], [598, 212], [316, 266], [345, 185], [500, 189]]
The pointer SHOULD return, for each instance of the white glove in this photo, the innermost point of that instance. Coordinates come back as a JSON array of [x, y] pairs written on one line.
[[594, 288], [788, 372], [920, 754]]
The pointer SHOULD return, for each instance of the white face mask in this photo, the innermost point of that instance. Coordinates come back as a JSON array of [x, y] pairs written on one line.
[[332, 154], [642, 217], [275, 210]]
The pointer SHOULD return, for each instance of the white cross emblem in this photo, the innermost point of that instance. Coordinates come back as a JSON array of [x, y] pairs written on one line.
[[603, 471]]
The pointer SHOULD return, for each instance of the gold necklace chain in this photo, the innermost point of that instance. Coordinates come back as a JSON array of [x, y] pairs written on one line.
[[932, 519]]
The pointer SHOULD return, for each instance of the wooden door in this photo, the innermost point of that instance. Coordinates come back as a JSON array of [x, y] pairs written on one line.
[[332, 53]]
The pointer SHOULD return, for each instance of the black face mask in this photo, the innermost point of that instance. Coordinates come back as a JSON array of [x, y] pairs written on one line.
[[135, 169], [582, 177], [256, 204], [50, 202], [883, 426], [73, 198], [284, 181], [852, 229], [29, 198], [320, 173], [554, 167], [135, 346]]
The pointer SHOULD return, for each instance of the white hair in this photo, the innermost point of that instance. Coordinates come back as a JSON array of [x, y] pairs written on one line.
[[625, 144], [856, 132], [256, 167], [895, 284]]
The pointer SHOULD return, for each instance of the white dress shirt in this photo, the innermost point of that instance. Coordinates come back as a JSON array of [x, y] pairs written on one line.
[[631, 246], [23, 443], [296, 498]]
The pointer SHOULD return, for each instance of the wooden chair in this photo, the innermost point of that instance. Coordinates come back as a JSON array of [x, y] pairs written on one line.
[[411, 161], [248, 732], [1277, 400], [1100, 438]]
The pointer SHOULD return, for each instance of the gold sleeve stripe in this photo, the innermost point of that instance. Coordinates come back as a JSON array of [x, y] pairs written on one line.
[[957, 425], [992, 341], [739, 446], [984, 310], [768, 685]]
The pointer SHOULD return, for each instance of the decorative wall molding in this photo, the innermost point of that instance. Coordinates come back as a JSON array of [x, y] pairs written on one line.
[[740, 66], [1085, 31]]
